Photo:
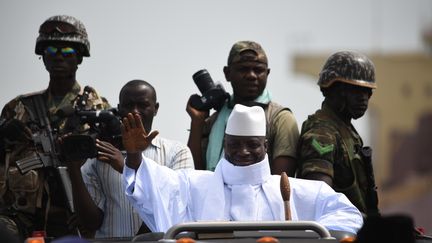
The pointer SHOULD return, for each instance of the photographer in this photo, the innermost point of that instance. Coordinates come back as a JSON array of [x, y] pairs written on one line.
[[34, 199], [247, 71], [101, 203]]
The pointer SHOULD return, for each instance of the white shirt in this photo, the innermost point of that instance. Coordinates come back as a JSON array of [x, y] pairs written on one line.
[[164, 197], [106, 189]]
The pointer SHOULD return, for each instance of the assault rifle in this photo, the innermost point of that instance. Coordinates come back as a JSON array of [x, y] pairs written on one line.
[[371, 192], [44, 140]]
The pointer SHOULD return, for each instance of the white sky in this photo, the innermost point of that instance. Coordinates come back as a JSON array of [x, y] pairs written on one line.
[[165, 42]]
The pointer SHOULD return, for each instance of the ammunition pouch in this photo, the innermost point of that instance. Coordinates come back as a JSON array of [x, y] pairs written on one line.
[[371, 191], [23, 189]]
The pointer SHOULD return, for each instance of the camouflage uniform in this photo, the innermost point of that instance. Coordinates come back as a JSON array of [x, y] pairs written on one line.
[[329, 146], [29, 198], [332, 147], [36, 199]]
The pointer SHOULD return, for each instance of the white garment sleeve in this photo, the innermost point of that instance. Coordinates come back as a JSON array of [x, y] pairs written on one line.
[[336, 212], [159, 194]]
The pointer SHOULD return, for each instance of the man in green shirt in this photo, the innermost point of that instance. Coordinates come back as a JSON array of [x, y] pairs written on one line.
[[247, 70]]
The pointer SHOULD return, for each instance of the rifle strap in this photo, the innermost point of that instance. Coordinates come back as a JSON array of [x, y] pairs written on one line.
[[48, 205], [41, 110], [5, 176], [41, 179]]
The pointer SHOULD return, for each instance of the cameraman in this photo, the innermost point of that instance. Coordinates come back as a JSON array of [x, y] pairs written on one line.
[[36, 199], [247, 71], [100, 201]]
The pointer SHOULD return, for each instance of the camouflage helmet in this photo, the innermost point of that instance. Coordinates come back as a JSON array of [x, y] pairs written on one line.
[[63, 28], [348, 67]]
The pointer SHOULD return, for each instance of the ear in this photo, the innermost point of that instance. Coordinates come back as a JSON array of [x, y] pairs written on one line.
[[227, 71], [156, 108], [266, 145], [268, 71]]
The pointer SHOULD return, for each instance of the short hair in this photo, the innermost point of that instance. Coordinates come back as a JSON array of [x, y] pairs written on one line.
[[135, 83]]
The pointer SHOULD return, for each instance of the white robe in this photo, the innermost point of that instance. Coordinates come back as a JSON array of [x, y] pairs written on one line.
[[164, 197]]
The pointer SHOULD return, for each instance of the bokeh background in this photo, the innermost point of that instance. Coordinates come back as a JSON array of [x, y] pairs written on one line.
[[165, 42]]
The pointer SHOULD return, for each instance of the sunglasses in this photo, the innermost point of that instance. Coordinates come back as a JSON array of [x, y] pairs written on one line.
[[65, 51], [56, 26]]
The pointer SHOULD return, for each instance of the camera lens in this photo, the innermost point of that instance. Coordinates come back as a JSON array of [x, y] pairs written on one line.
[[203, 80]]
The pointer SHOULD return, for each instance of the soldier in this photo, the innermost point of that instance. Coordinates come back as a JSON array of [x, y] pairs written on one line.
[[247, 71], [35, 200], [330, 149]]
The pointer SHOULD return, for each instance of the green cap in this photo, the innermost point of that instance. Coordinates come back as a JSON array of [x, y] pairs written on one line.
[[240, 47]]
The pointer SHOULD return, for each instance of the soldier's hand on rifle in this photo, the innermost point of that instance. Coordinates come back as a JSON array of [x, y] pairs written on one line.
[[109, 154], [135, 137]]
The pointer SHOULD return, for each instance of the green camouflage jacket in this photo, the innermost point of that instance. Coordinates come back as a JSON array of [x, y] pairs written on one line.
[[38, 192], [329, 146]]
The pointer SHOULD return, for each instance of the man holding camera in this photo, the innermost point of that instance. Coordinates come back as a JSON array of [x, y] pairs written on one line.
[[247, 71], [100, 202], [31, 193]]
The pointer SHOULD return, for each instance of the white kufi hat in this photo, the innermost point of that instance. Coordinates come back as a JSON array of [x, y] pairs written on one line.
[[246, 121]]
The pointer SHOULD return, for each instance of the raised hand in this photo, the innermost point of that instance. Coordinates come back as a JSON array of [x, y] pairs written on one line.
[[135, 137]]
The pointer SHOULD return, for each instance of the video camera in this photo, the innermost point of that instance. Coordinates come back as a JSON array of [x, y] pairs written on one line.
[[213, 95], [103, 124]]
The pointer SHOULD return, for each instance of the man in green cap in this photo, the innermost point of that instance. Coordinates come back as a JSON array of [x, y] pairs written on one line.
[[247, 71], [330, 149], [32, 197]]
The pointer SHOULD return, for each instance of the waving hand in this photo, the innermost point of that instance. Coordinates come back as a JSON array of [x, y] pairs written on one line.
[[135, 137]]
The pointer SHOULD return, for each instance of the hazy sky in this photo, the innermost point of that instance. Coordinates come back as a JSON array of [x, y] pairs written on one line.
[[165, 42]]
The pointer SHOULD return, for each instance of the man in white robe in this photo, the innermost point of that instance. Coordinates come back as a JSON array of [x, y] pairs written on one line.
[[240, 189]]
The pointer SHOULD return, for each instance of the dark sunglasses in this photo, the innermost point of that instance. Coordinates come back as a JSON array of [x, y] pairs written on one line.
[[65, 51], [56, 26]]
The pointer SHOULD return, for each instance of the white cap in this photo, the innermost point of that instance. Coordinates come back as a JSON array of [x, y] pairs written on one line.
[[246, 121]]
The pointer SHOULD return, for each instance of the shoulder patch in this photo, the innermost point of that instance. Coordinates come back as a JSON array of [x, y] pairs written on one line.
[[322, 149]]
